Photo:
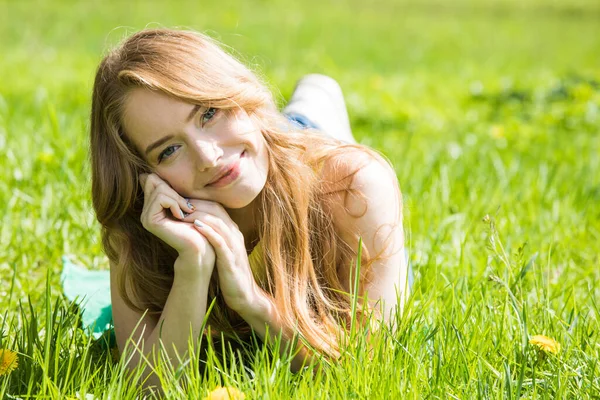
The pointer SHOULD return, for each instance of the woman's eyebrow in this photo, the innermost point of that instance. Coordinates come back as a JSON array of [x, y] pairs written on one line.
[[158, 143], [193, 112]]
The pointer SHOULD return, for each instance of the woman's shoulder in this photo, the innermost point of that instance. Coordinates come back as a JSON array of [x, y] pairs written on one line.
[[369, 207], [357, 169], [361, 189]]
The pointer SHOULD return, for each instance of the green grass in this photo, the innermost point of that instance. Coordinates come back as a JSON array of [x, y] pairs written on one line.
[[490, 112]]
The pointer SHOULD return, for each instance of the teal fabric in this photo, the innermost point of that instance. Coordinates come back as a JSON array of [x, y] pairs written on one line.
[[91, 289]]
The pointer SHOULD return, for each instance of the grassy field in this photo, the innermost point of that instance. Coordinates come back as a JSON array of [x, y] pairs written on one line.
[[490, 112]]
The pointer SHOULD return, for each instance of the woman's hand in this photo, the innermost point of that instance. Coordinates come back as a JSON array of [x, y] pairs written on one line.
[[163, 216], [236, 281]]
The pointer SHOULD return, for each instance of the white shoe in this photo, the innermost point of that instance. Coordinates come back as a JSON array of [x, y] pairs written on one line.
[[319, 98]]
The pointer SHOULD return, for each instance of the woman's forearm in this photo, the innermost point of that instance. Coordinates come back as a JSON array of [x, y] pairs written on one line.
[[184, 312]]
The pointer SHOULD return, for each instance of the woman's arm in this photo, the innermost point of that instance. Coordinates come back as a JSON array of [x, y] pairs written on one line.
[[373, 212], [183, 313], [185, 307]]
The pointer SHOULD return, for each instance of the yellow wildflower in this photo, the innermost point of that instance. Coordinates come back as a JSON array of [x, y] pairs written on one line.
[[497, 131], [8, 361], [225, 393], [545, 343], [45, 157], [583, 92]]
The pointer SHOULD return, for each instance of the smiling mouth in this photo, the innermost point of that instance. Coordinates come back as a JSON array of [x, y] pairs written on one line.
[[231, 175]]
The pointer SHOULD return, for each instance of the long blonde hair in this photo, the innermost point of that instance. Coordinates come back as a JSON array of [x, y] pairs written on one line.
[[302, 250]]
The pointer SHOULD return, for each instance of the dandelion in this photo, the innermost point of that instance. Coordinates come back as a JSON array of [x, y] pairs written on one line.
[[497, 132], [8, 361], [583, 92], [545, 344], [376, 82], [46, 157], [225, 393]]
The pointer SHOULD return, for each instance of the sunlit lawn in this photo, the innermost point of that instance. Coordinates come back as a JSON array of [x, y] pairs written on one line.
[[490, 114]]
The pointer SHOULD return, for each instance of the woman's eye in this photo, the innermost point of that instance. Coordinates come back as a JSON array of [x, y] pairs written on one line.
[[208, 114], [166, 153]]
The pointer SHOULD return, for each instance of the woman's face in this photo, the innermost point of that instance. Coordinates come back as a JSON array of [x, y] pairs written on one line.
[[190, 146]]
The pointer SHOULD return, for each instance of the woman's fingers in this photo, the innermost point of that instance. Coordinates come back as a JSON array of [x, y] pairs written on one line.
[[152, 183], [154, 212], [220, 244], [230, 234], [165, 201], [213, 208], [193, 248], [159, 197], [236, 280]]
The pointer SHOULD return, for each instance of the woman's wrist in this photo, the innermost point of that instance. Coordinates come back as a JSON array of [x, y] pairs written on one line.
[[260, 311], [190, 266]]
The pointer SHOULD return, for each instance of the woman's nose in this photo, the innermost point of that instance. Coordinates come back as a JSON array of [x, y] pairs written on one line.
[[207, 155]]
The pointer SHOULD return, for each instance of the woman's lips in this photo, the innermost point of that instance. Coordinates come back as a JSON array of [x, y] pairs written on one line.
[[231, 175]]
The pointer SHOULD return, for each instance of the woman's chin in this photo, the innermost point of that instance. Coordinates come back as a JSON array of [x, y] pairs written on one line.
[[241, 200]]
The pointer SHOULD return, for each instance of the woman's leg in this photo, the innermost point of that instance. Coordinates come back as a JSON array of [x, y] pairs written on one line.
[[318, 102]]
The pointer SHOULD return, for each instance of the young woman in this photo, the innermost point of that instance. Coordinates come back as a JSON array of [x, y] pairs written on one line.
[[206, 192]]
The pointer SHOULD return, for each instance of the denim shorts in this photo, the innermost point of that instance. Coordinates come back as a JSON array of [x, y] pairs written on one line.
[[301, 121]]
